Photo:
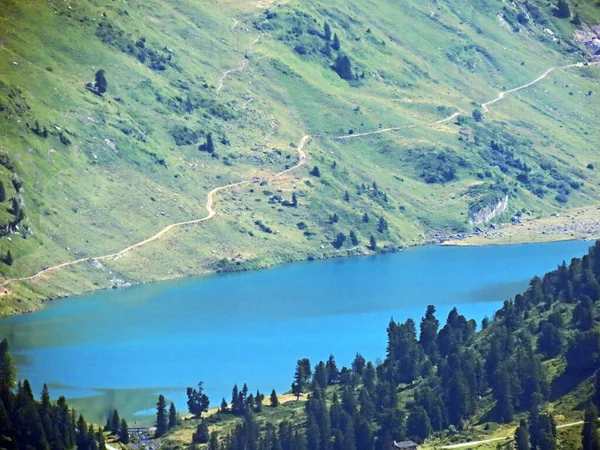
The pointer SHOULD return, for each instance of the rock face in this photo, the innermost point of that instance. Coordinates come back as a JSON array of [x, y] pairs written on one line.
[[489, 212]]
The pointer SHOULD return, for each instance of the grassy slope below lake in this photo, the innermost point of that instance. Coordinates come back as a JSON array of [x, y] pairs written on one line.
[[115, 169]]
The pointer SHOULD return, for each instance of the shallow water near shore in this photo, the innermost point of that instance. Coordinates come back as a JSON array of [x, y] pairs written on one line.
[[121, 348]]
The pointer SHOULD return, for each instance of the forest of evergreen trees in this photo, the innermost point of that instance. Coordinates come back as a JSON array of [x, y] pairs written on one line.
[[27, 424], [453, 371]]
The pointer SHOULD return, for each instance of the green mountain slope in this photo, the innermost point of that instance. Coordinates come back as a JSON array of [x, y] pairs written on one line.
[[93, 174]]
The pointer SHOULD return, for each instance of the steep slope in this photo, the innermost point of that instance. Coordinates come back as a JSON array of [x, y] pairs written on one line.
[[94, 174]]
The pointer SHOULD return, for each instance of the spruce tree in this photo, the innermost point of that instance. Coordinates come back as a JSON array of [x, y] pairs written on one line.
[[223, 405], [327, 32], [2, 192], [589, 433], [172, 416], [343, 67], [346, 196], [274, 399], [8, 259], [365, 218], [101, 83], [124, 432], [161, 416], [201, 436], [372, 243], [336, 42], [210, 145], [115, 422], [353, 238], [383, 225], [522, 436], [339, 240], [563, 10]]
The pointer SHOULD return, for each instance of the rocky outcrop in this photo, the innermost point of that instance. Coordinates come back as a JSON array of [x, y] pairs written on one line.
[[490, 212]]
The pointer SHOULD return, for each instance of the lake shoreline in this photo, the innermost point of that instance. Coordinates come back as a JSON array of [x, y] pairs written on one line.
[[474, 239]]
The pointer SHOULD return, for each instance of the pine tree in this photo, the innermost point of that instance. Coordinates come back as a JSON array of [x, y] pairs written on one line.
[[339, 240], [315, 172], [365, 218], [210, 146], [274, 399], [161, 416], [346, 196], [294, 199], [172, 416], [223, 405], [336, 42], [101, 83], [418, 424], [198, 402], [2, 193], [589, 434], [353, 238], [343, 67], [124, 432], [383, 225], [201, 436], [258, 400], [115, 423], [8, 259], [522, 436], [563, 10], [372, 243], [327, 32]]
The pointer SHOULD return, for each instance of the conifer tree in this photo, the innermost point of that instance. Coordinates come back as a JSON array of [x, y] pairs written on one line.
[[343, 67], [365, 218], [8, 259], [372, 243], [563, 10], [522, 436], [201, 436], [315, 172], [101, 83], [2, 192], [336, 42], [353, 238], [346, 196], [223, 405], [172, 416], [161, 416], [124, 432], [115, 422], [274, 399], [383, 225], [589, 433], [327, 32]]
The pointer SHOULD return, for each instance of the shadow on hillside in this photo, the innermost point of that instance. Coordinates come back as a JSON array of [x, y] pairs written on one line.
[[566, 383]]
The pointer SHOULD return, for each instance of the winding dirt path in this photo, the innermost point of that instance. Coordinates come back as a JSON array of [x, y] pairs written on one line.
[[487, 441], [501, 95], [387, 130], [484, 106], [302, 161], [237, 69], [209, 207]]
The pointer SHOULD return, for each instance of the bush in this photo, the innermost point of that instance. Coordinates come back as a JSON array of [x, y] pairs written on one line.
[[182, 135]]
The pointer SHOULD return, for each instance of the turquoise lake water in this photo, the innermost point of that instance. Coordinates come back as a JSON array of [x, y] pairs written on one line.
[[121, 348]]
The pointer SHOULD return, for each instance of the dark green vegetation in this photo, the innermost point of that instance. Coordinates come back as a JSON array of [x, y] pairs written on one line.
[[117, 119], [26, 423], [538, 358]]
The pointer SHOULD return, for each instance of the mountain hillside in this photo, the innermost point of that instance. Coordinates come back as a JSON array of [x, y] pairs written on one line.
[[117, 118]]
